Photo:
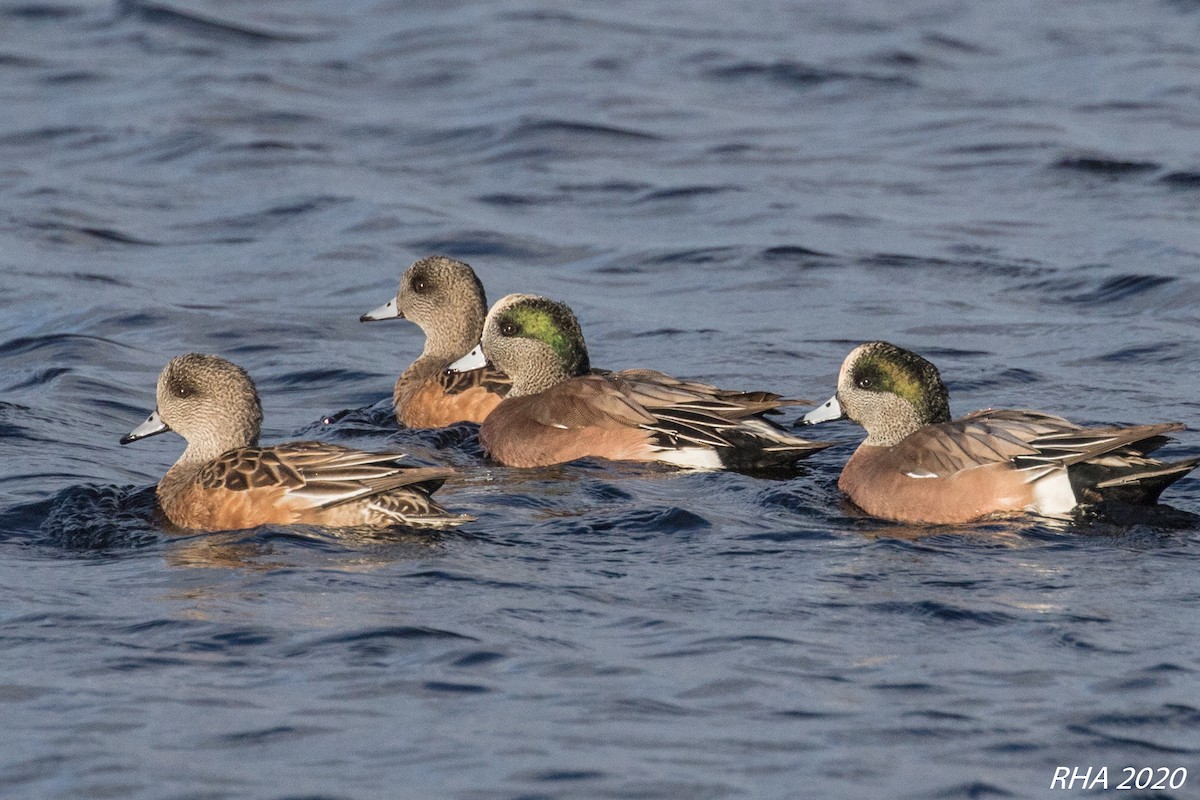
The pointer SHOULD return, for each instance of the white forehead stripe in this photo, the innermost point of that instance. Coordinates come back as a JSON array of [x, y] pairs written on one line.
[[503, 304]]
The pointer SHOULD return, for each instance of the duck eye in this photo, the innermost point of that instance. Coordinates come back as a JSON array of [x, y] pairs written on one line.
[[864, 382], [508, 329], [420, 284]]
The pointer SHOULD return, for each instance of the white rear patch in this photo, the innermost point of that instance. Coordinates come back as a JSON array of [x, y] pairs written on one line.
[[691, 458], [1053, 494]]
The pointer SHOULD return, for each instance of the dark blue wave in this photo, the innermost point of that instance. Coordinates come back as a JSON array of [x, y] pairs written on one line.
[[670, 520], [203, 25], [488, 245], [1107, 166], [1182, 179], [100, 518], [41, 11], [798, 75], [945, 613], [1119, 288], [571, 130]]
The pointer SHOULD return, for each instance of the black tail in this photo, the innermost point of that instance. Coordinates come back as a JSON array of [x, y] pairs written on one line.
[[753, 454], [1138, 484]]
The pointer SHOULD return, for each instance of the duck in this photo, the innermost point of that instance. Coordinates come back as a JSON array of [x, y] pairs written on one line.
[[558, 409], [225, 481], [445, 298], [917, 465]]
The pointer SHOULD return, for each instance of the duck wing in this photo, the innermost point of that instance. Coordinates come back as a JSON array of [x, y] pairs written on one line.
[[319, 475], [1033, 442], [688, 413], [488, 378]]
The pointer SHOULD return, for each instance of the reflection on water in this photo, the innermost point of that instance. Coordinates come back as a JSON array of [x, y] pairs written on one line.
[[347, 550]]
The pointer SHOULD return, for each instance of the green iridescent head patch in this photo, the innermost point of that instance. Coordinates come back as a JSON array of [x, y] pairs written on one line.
[[552, 324], [883, 367]]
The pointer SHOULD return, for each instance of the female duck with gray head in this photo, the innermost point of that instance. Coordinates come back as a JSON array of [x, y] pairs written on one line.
[[225, 481], [446, 300]]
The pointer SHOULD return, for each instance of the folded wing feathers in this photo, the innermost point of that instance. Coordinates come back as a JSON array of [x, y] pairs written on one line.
[[691, 427], [947, 449], [324, 494], [1127, 445], [406, 507], [783, 441], [1163, 469], [1043, 443], [707, 424], [326, 475], [488, 377], [1037, 444]]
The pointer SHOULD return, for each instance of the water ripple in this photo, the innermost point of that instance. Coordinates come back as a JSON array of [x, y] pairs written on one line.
[[1119, 288], [101, 518], [1182, 179], [670, 519], [573, 133], [799, 75], [270, 218], [945, 612], [493, 245], [59, 346], [975, 790], [266, 736], [1107, 166], [203, 25], [41, 11], [374, 642], [67, 233], [1168, 353]]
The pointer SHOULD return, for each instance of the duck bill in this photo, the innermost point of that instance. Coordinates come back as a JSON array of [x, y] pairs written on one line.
[[151, 427], [388, 310], [830, 410], [472, 360]]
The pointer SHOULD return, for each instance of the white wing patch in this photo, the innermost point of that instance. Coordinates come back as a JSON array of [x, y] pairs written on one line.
[[922, 474]]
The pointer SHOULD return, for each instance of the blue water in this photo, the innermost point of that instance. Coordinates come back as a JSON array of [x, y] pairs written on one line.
[[734, 192]]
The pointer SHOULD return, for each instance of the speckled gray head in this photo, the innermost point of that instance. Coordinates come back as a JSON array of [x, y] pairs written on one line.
[[207, 400], [888, 390], [445, 298], [537, 341]]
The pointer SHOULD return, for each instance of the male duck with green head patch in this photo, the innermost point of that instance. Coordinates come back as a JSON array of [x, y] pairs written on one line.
[[917, 465], [559, 410]]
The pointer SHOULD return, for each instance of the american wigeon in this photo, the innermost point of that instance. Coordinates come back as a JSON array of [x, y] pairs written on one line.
[[917, 465], [559, 410], [446, 300], [224, 481]]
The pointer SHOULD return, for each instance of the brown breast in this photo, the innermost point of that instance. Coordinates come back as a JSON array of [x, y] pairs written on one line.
[[428, 405]]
